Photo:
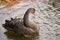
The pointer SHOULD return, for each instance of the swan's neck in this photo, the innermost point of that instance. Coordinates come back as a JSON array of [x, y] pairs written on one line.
[[26, 18], [28, 23]]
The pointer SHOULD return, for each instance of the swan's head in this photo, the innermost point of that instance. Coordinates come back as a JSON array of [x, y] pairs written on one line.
[[32, 10]]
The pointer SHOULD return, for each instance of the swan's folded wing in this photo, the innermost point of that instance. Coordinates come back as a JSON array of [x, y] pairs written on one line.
[[18, 20], [9, 24]]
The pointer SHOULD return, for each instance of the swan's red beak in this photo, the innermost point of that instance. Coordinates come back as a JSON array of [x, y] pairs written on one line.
[[35, 14]]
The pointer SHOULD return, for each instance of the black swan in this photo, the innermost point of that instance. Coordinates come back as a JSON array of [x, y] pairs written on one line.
[[22, 27]]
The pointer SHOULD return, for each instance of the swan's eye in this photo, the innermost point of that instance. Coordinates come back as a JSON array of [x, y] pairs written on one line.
[[33, 11]]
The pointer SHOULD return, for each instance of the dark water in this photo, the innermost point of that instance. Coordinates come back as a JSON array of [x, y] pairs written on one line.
[[8, 35]]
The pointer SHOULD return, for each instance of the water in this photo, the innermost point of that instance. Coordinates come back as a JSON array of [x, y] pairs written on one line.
[[48, 18]]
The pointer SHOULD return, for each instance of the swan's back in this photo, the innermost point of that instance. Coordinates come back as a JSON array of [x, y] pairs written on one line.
[[17, 26]]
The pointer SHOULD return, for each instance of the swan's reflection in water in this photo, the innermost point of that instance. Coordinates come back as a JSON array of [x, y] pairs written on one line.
[[13, 36]]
